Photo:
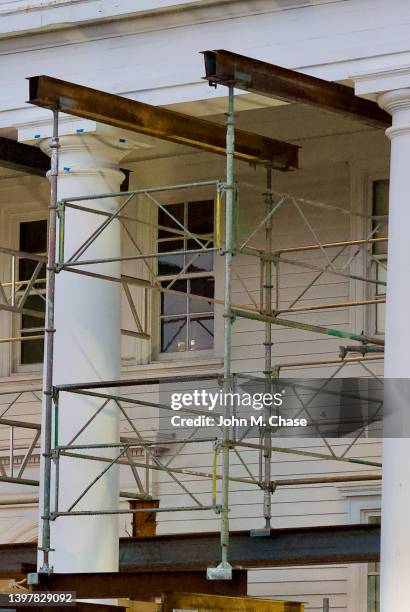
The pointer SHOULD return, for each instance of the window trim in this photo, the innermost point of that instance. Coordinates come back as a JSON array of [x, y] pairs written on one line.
[[186, 355], [16, 367], [363, 500], [363, 175], [373, 269]]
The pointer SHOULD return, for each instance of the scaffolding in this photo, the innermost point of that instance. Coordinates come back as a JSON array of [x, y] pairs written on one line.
[[266, 310]]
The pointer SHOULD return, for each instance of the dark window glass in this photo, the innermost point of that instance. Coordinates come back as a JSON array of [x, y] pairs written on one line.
[[186, 322], [201, 333], [32, 350], [165, 220], [204, 287], [170, 264], [174, 335], [33, 236], [32, 239], [199, 262], [201, 217], [172, 303]]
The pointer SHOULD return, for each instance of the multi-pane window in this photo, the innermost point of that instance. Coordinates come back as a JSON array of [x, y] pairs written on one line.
[[187, 322], [373, 578], [380, 227], [32, 239]]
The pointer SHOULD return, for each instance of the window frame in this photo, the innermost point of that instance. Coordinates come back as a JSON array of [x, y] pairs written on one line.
[[363, 175], [187, 354], [374, 269], [16, 366], [369, 514], [364, 500]]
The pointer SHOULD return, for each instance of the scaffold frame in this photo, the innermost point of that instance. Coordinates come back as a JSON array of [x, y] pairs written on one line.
[[266, 311]]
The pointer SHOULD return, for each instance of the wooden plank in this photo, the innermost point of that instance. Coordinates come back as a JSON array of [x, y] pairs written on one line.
[[158, 122], [259, 77], [139, 606], [144, 524], [192, 602]]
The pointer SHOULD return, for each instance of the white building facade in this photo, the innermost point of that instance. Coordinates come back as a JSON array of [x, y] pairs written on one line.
[[150, 52]]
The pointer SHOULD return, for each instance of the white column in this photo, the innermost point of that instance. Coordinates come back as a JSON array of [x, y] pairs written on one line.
[[87, 348], [395, 549]]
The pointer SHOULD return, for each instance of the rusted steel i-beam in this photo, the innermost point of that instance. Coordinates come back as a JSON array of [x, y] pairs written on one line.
[[331, 544], [158, 122], [253, 75], [142, 585]]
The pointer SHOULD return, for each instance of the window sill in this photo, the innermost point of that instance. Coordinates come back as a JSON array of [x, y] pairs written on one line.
[[195, 365], [34, 379], [175, 366]]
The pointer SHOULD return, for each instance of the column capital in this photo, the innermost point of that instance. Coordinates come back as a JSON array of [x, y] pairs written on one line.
[[89, 162], [390, 88], [85, 155], [86, 147], [397, 104], [394, 100], [98, 152]]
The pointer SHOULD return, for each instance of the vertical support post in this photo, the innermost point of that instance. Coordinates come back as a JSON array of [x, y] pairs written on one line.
[[218, 215], [147, 472], [61, 232], [326, 604], [13, 280], [57, 481], [267, 438], [224, 570], [56, 397], [49, 348], [266, 298], [11, 451]]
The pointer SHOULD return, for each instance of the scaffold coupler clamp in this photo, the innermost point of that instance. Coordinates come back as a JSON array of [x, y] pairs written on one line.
[[222, 572]]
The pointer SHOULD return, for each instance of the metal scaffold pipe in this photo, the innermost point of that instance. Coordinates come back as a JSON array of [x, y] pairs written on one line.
[[267, 290], [327, 331], [84, 301], [229, 216], [45, 545], [224, 570]]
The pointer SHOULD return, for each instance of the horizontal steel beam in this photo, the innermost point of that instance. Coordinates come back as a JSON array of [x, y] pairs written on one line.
[[253, 75], [195, 601], [22, 157], [197, 551], [284, 547], [158, 122], [142, 585]]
